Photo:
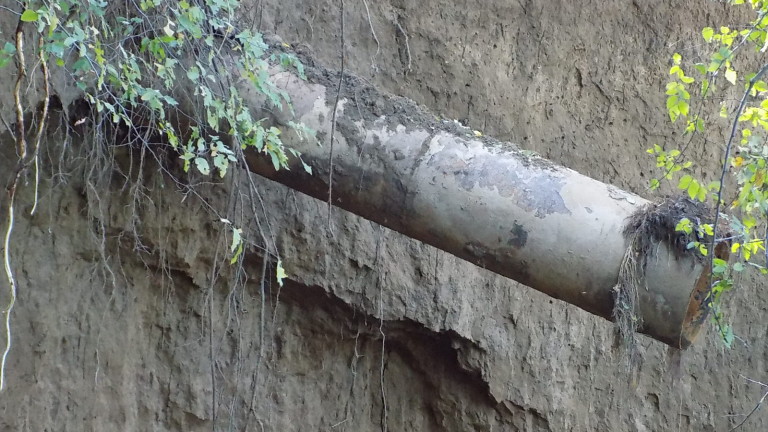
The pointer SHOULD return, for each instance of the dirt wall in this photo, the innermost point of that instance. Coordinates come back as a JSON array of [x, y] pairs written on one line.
[[372, 331]]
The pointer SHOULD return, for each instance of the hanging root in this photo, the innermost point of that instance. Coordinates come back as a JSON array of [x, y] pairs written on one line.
[[647, 227], [626, 313]]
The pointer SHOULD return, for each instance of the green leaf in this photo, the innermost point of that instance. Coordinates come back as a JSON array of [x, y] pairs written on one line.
[[221, 162], [685, 181], [724, 53], [727, 334], [693, 189], [719, 266], [29, 16], [202, 166], [9, 48], [730, 75], [307, 168], [738, 267], [684, 226], [236, 254], [275, 160], [193, 73], [671, 102], [723, 111], [702, 195], [237, 239], [707, 33]]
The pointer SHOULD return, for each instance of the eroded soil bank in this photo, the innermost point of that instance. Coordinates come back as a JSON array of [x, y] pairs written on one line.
[[372, 331]]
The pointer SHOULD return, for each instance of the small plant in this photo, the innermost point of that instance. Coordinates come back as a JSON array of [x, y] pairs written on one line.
[[697, 98]]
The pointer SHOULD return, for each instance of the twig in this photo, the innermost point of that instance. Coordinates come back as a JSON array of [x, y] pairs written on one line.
[[757, 406], [333, 118]]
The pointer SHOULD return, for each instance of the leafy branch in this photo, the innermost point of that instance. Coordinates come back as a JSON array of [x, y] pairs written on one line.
[[151, 73], [748, 203]]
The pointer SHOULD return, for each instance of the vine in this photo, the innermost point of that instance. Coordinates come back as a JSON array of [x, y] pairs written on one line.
[[160, 75]]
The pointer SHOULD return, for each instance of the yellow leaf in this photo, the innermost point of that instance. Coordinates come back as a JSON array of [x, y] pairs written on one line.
[[280, 273], [737, 161], [477, 133], [730, 75]]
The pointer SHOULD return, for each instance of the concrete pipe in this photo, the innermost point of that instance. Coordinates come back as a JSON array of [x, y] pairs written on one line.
[[513, 213]]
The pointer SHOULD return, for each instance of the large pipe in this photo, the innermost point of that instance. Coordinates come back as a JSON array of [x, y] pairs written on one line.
[[518, 215]]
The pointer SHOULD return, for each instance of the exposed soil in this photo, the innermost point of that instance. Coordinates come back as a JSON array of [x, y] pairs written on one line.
[[372, 331]]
